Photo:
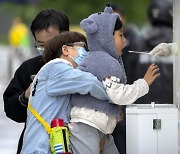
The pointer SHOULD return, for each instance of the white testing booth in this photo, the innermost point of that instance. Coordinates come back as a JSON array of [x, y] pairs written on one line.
[[153, 129]]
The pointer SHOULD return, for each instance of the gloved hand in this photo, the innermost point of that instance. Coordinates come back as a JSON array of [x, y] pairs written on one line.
[[163, 50]]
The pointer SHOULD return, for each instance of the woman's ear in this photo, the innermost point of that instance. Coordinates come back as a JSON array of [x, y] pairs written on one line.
[[65, 50]]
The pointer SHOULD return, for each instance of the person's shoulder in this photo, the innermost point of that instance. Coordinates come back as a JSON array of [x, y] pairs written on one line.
[[37, 59], [33, 64]]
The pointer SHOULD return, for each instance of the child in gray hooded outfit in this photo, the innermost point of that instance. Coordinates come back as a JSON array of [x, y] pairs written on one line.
[[93, 119]]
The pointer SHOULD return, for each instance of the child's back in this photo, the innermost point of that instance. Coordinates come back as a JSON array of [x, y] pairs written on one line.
[[99, 118]]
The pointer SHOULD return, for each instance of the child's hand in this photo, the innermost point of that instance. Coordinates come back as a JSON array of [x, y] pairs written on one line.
[[151, 74]]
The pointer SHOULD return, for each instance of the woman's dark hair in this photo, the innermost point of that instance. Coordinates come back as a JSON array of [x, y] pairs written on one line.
[[50, 17], [53, 47], [118, 24]]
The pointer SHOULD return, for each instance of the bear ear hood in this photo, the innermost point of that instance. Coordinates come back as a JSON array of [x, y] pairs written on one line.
[[99, 28], [89, 26], [108, 9]]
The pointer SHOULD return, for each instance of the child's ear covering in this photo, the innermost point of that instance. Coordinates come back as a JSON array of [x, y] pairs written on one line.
[[89, 26]]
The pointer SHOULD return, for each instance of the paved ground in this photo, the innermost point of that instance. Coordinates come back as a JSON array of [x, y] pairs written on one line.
[[9, 130]]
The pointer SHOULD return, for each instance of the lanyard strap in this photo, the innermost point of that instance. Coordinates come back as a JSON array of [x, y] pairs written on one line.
[[38, 117]]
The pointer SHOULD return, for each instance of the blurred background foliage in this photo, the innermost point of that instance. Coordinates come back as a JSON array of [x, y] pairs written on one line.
[[76, 10]]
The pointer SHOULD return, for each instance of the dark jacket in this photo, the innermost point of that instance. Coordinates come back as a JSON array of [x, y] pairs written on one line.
[[20, 82], [161, 91]]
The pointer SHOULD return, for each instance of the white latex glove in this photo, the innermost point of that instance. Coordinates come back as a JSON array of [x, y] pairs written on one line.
[[163, 50]]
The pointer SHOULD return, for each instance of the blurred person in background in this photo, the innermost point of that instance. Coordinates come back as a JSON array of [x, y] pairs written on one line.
[[19, 34], [19, 39], [160, 30], [132, 37], [47, 24]]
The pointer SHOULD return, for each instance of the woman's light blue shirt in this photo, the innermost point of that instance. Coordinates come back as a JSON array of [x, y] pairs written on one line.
[[57, 80]]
